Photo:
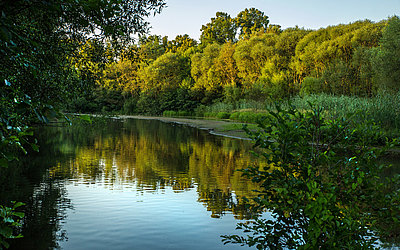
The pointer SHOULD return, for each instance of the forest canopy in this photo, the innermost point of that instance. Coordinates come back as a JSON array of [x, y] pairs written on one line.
[[241, 58]]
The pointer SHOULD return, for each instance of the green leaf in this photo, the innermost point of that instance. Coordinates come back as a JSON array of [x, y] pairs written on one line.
[[19, 214], [18, 204], [35, 147]]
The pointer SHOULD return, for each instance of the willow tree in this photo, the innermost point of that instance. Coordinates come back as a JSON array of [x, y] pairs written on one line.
[[166, 73]]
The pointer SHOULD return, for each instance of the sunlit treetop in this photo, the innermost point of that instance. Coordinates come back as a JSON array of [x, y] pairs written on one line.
[[251, 20], [221, 29], [181, 43]]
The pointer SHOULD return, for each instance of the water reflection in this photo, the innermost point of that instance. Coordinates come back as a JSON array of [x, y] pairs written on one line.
[[46, 204], [140, 155], [151, 155]]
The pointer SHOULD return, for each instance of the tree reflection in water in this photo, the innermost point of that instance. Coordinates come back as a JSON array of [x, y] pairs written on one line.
[[152, 155], [45, 199], [147, 155]]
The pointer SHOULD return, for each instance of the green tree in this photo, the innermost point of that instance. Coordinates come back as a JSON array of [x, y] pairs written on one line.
[[121, 75], [220, 30], [36, 39], [387, 59], [166, 73], [252, 54], [325, 51], [251, 20], [150, 48], [203, 68], [181, 43], [225, 66], [90, 59]]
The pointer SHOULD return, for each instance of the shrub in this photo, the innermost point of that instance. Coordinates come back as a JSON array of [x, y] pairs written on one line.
[[259, 91], [210, 114], [232, 94], [9, 221], [311, 85], [184, 113], [223, 115], [147, 104], [200, 110], [322, 185], [169, 113], [234, 116]]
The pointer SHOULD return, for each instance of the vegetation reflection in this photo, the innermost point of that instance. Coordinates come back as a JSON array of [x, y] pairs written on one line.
[[151, 155]]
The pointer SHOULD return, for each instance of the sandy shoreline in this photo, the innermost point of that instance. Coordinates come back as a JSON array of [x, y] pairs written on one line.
[[215, 127]]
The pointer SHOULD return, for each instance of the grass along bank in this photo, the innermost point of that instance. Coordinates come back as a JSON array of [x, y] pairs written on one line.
[[382, 112]]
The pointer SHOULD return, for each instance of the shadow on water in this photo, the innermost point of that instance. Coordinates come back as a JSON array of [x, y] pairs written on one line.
[[45, 198]]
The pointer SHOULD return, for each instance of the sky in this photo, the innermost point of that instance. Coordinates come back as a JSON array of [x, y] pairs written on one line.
[[187, 16]]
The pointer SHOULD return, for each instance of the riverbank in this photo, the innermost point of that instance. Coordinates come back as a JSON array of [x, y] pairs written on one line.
[[215, 127]]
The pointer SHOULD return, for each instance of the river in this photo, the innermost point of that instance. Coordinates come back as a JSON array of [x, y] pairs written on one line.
[[130, 184]]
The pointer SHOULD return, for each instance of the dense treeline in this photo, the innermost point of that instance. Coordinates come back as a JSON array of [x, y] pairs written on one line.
[[241, 58]]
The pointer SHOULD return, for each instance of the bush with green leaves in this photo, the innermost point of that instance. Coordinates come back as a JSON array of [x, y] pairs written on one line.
[[311, 85], [223, 115], [322, 185], [9, 221]]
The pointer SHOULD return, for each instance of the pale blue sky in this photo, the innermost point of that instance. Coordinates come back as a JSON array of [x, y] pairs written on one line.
[[187, 16]]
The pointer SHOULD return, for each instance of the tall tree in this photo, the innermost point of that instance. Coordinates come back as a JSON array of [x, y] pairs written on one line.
[[181, 43], [166, 73], [203, 68], [221, 29], [225, 66], [152, 47], [121, 75], [387, 60], [251, 20], [252, 54]]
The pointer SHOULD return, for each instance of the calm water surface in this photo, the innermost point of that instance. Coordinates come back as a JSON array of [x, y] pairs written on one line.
[[130, 184]]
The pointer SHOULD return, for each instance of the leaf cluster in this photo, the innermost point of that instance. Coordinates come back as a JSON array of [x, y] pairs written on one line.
[[9, 221]]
